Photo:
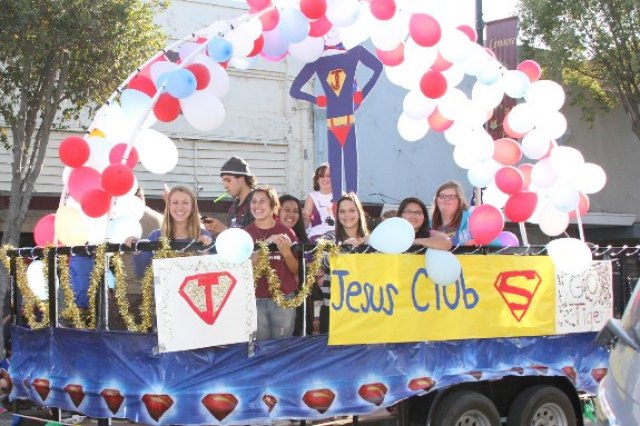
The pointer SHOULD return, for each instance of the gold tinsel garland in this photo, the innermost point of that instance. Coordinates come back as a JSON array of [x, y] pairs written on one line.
[[97, 273], [71, 311], [30, 300], [263, 268]]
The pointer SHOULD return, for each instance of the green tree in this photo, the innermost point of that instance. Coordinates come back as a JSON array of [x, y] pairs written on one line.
[[591, 46], [58, 58]]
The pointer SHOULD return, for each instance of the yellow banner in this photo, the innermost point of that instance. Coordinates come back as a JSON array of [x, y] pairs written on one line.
[[382, 298]]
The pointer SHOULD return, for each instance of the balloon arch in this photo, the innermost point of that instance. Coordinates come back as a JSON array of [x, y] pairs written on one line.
[[420, 53]]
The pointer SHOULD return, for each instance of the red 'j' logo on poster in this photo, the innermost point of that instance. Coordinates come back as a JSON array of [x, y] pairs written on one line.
[[517, 288], [207, 293]]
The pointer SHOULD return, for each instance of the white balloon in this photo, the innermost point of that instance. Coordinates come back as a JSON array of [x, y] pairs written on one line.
[[411, 129], [417, 106], [453, 103], [565, 198], [234, 245], [477, 61], [565, 160], [542, 174], [535, 144], [488, 96], [37, 281], [454, 45], [121, 228], [551, 221], [251, 27], [96, 229], [516, 84], [490, 74], [159, 68], [492, 195], [591, 178], [187, 48], [358, 32], [402, 75], [203, 110], [393, 236], [553, 123], [458, 133], [454, 75], [219, 79], [99, 149], [442, 266], [522, 118], [128, 205], [241, 41], [545, 94], [242, 63], [570, 255], [308, 50], [388, 34], [342, 13], [157, 152], [481, 174], [463, 155]]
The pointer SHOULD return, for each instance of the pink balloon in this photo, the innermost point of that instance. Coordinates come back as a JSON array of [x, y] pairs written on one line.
[[116, 153], [520, 206], [383, 9], [531, 69], [270, 20], [424, 29], [441, 64], [509, 180], [469, 32], [43, 233], [433, 84], [81, 180], [319, 27], [507, 151], [485, 223], [438, 122], [258, 4], [526, 174], [583, 206], [393, 57]]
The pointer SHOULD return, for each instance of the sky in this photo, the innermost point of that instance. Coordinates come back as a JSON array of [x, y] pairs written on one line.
[[465, 10]]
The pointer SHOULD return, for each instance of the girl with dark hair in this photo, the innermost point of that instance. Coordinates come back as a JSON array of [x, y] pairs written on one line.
[[451, 213], [415, 212], [318, 206]]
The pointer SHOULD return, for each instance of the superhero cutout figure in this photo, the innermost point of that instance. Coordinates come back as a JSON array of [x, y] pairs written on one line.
[[336, 70]]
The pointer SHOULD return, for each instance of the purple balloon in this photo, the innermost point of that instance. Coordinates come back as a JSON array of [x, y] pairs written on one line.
[[508, 239]]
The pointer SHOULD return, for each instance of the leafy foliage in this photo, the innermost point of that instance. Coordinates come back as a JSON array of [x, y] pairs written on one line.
[[592, 46]]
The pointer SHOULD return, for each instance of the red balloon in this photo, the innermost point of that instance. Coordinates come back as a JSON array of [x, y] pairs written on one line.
[[424, 29], [117, 179], [526, 174], [507, 151], [509, 180], [44, 232], [393, 57], [438, 122], [531, 69], [313, 9], [319, 27], [485, 224], [441, 64], [143, 84], [201, 73], [520, 206], [95, 202], [117, 152], [383, 9], [433, 84], [469, 32], [81, 180], [167, 108], [258, 5], [583, 206], [73, 151], [270, 20], [258, 44]]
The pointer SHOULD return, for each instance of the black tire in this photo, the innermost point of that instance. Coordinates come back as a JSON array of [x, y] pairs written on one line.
[[541, 405], [466, 408]]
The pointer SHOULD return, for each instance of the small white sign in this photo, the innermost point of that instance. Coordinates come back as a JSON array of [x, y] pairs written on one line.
[[202, 301], [584, 302]]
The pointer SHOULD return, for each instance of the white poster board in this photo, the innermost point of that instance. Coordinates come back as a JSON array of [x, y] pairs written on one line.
[[202, 301], [584, 302]]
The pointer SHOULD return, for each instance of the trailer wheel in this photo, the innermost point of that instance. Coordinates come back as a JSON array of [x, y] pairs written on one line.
[[541, 405], [466, 408]]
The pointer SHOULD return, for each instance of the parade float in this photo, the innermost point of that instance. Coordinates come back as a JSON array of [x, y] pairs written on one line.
[[500, 332]]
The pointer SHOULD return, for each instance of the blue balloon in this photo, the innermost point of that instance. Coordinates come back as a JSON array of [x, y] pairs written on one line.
[[393, 236], [442, 266], [181, 84], [219, 49], [293, 25], [234, 245]]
